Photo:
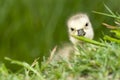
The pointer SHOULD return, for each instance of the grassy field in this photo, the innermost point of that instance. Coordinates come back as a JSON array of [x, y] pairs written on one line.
[[31, 28], [101, 63]]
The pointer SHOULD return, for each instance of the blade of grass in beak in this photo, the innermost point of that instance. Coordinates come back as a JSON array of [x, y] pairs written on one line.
[[88, 40]]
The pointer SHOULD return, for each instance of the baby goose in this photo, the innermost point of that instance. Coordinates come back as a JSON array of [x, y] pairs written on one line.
[[79, 25]]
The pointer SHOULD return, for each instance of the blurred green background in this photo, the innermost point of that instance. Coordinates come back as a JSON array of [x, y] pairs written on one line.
[[31, 28]]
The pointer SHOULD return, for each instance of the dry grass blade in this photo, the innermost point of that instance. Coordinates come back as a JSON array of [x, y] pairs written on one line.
[[35, 61], [52, 54], [109, 26], [33, 64]]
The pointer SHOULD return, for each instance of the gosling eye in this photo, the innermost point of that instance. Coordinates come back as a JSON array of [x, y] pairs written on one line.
[[86, 24], [72, 29]]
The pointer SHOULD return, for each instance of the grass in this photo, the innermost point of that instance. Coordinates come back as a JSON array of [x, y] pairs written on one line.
[[99, 62], [102, 63]]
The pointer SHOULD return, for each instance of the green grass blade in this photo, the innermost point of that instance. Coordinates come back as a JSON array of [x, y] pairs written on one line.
[[89, 40], [105, 14], [111, 39], [116, 32], [26, 65], [109, 10]]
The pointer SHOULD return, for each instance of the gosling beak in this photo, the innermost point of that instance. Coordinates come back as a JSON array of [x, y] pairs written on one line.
[[81, 32]]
